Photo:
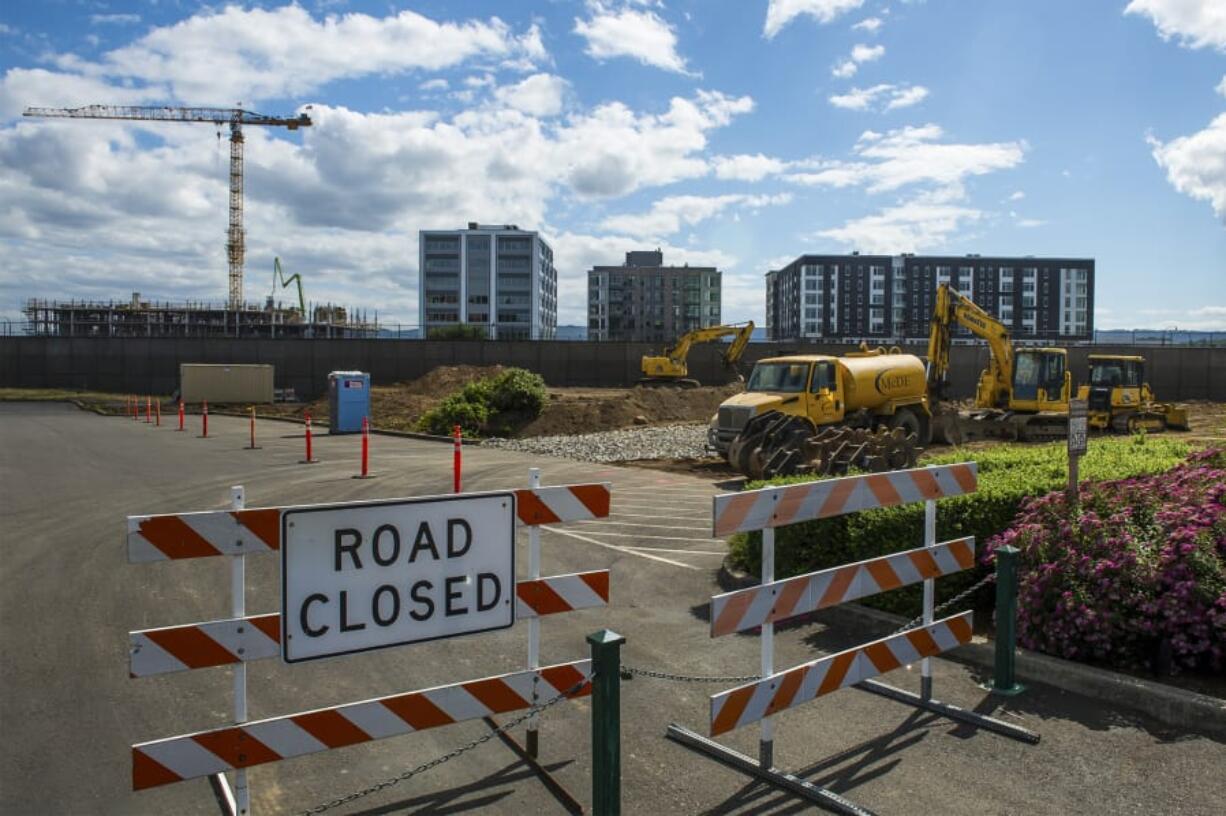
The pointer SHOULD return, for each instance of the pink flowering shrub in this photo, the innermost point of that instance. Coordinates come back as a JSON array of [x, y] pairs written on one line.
[[1141, 567]]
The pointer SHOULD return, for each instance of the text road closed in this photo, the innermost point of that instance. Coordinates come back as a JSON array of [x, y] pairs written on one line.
[[370, 575]]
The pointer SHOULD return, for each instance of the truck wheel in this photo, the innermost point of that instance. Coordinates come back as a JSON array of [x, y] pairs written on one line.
[[906, 419]]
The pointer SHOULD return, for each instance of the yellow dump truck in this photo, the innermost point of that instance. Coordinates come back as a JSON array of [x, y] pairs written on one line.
[[818, 413]]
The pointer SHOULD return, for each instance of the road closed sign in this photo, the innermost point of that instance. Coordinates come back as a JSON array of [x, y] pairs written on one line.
[[370, 575]]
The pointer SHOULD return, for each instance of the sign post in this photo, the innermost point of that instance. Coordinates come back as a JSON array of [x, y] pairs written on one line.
[[1077, 444], [369, 575]]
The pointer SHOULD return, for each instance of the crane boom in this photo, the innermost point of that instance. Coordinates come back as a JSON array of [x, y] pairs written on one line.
[[952, 309], [278, 275], [672, 365], [236, 246]]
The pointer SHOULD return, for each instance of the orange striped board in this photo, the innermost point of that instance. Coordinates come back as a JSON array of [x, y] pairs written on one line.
[[239, 532], [752, 607], [552, 505], [161, 762], [780, 506], [763, 698], [258, 637]]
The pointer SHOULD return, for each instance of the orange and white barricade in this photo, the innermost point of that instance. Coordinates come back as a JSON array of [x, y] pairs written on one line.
[[760, 607], [242, 638]]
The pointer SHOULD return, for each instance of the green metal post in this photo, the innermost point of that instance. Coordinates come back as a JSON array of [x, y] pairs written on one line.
[[1003, 680], [606, 723]]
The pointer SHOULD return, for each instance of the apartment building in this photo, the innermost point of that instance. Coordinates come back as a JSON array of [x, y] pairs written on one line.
[[854, 297], [645, 301], [498, 277]]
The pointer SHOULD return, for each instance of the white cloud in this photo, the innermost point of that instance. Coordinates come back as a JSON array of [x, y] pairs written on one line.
[[869, 24], [103, 208], [1017, 195], [1030, 222], [781, 12], [1221, 87], [625, 32], [747, 167], [880, 97], [285, 52], [1195, 165], [909, 227], [860, 54], [1193, 23], [37, 87], [115, 19], [538, 95], [911, 155], [438, 84], [669, 215]]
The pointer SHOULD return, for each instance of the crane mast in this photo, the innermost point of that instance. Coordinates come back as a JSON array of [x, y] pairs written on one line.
[[236, 244]]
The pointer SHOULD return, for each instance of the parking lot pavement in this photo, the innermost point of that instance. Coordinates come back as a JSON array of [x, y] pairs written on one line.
[[69, 711]]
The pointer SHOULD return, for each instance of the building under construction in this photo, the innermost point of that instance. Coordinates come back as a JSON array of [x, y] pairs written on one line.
[[142, 318]]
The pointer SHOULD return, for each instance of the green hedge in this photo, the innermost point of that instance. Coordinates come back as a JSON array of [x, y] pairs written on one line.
[[1008, 474], [492, 405]]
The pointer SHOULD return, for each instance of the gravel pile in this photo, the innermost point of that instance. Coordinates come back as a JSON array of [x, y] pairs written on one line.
[[658, 442]]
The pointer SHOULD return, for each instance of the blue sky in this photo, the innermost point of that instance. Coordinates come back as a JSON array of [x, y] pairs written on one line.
[[741, 133]]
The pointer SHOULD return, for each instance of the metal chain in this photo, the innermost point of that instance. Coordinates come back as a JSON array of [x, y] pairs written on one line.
[[963, 595], [463, 749], [628, 673]]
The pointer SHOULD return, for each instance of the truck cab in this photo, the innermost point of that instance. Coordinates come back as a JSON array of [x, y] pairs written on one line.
[[1041, 380], [863, 388]]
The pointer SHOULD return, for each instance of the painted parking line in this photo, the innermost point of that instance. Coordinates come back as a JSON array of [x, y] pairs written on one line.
[[691, 528], [590, 531], [671, 508], [720, 553], [626, 550]]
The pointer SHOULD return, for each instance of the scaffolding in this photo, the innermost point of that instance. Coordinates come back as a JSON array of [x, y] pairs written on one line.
[[142, 318]]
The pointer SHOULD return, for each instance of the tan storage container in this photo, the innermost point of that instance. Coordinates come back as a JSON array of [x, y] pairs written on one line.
[[245, 383]]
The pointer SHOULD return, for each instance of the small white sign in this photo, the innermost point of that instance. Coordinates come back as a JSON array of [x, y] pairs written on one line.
[[1078, 430], [369, 575]]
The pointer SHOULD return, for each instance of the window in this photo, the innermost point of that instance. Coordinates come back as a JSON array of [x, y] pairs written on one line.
[[823, 377], [810, 300]]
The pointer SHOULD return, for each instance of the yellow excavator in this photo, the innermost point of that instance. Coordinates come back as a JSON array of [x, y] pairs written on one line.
[[1023, 394], [671, 368], [1119, 399]]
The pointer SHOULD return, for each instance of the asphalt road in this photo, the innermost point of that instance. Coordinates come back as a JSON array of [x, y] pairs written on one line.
[[69, 711]]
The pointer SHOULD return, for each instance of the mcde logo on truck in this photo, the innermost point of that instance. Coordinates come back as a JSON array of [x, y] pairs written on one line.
[[362, 576]]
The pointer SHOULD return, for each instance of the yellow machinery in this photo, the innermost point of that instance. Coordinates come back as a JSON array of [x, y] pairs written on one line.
[[1024, 392], [1119, 399], [820, 414], [671, 368]]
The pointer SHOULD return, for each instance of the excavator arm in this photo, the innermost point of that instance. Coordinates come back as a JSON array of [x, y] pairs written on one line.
[[672, 365], [952, 309]]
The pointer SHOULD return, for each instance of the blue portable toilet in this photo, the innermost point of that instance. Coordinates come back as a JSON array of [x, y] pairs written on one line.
[[348, 401]]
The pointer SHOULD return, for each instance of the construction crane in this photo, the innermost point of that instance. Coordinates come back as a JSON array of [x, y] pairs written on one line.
[[235, 118], [671, 368]]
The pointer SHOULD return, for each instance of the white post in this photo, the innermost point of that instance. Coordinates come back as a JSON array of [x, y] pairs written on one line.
[[930, 540], [534, 624], [238, 609], [766, 740]]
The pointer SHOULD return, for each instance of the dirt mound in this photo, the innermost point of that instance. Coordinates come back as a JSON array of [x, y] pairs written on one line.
[[579, 410], [441, 382]]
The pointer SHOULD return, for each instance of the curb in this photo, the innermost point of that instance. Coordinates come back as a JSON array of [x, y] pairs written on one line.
[[1169, 705]]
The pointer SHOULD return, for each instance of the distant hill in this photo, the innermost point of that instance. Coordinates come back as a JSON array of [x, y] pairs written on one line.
[[1156, 337]]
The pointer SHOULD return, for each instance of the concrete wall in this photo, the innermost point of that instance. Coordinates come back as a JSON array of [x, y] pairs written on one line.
[[142, 366]]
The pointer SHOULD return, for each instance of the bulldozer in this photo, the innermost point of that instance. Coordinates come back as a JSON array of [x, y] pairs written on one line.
[[1119, 399], [1023, 394], [671, 367], [819, 414]]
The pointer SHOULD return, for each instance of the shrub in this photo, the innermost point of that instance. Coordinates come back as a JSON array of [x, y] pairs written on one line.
[[491, 404], [518, 389], [460, 331], [1142, 564], [1008, 475], [456, 410]]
